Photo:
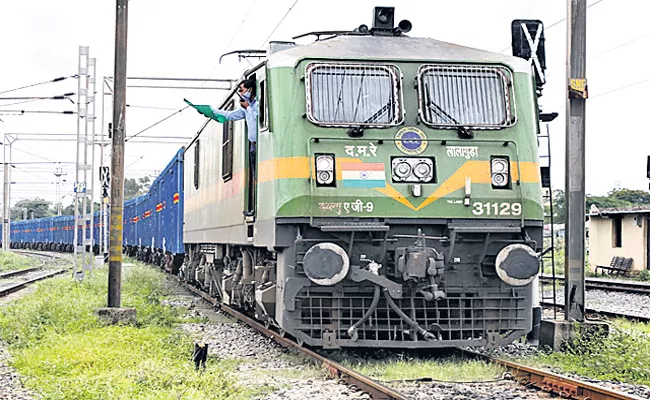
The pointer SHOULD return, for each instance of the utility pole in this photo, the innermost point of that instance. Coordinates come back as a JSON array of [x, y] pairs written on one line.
[[117, 157], [6, 209], [6, 202], [58, 173], [574, 288]]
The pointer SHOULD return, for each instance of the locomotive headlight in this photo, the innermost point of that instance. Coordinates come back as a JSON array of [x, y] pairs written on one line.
[[500, 172], [325, 170], [324, 163], [413, 169], [324, 177], [499, 180], [403, 170], [422, 170]]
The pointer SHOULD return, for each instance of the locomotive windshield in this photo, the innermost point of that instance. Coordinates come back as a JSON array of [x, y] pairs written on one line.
[[349, 94], [465, 96]]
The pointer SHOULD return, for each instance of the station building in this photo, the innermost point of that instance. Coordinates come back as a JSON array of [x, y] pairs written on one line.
[[619, 232]]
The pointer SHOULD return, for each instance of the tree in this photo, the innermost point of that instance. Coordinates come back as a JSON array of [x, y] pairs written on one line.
[[615, 198], [134, 188], [69, 210], [131, 188], [635, 197], [40, 208], [558, 207], [605, 202], [145, 183]]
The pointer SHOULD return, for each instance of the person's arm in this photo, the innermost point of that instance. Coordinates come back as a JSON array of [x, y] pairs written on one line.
[[230, 115]]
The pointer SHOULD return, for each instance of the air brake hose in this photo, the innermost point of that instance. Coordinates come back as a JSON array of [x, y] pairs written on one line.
[[427, 335], [352, 332]]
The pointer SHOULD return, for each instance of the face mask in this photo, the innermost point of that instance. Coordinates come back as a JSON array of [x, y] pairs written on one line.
[[247, 96]]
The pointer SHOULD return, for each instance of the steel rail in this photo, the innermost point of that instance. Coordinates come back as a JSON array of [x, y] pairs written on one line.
[[610, 314], [18, 272], [21, 285], [375, 389], [553, 383], [605, 284]]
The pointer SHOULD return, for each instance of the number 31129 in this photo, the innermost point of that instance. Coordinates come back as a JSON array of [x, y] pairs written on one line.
[[488, 208]]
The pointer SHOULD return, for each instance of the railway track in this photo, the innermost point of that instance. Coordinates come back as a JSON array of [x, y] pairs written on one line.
[[546, 381], [607, 284], [18, 272], [549, 382], [543, 380], [336, 370], [610, 314], [20, 279]]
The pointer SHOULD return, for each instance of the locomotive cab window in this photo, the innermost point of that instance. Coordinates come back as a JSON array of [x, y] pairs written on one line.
[[227, 146], [264, 107], [197, 156], [353, 95], [478, 97]]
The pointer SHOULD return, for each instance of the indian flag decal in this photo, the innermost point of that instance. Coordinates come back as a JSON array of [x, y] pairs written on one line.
[[363, 175]]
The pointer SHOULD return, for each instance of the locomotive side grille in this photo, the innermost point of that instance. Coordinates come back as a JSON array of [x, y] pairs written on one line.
[[478, 97], [461, 316]]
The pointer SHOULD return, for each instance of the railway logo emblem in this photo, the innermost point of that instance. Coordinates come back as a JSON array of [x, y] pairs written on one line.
[[411, 140]]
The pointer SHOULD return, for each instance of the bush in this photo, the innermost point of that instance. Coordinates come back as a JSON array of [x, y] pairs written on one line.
[[644, 275], [12, 261], [623, 356], [65, 352]]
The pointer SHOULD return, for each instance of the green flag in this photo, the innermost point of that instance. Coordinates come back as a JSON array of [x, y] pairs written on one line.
[[207, 111]]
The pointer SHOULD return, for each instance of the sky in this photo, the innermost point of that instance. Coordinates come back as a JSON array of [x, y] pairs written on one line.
[[185, 39]]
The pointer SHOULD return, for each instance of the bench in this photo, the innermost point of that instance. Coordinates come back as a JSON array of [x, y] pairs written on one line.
[[618, 266]]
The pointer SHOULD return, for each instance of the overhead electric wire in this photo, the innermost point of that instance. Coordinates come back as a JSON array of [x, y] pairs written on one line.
[[40, 83], [32, 154], [619, 88], [20, 112], [234, 35], [138, 159], [150, 108], [63, 96], [620, 45], [157, 123], [282, 20], [32, 174], [232, 39], [39, 162], [31, 99], [557, 107]]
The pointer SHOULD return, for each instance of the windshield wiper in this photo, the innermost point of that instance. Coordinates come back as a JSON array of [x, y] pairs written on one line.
[[463, 132], [374, 117]]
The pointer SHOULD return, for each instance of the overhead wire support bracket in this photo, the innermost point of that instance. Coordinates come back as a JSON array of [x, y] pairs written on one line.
[[243, 54]]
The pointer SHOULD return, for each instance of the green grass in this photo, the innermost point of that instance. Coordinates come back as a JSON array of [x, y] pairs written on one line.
[[623, 355], [11, 261], [63, 351], [450, 369]]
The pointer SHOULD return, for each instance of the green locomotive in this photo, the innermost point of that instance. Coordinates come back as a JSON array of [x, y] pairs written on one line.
[[397, 200]]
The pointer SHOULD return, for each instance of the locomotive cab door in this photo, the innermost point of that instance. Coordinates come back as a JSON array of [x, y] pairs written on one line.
[[253, 155]]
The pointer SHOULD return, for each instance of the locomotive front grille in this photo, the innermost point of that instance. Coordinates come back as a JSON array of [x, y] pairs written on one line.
[[460, 316]]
